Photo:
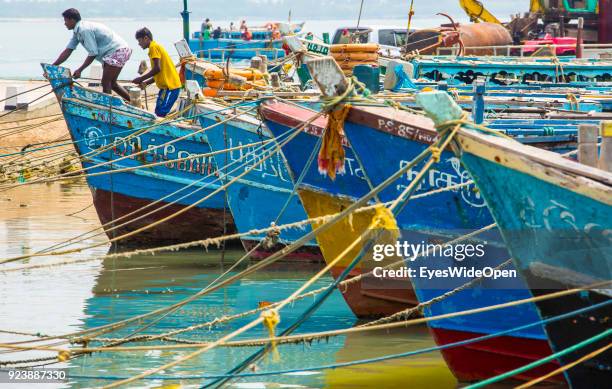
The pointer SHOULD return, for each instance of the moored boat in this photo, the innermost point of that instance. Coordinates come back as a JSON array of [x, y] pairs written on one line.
[[557, 229], [370, 297], [400, 136], [106, 133], [264, 195], [439, 218]]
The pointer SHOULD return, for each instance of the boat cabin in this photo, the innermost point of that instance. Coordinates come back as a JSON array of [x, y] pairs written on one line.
[[384, 36]]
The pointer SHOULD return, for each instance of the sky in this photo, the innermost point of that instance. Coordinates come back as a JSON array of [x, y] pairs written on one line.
[[233, 9]]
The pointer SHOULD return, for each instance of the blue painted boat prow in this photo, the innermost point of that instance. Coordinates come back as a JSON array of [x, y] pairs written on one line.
[[555, 216], [108, 135], [385, 140], [281, 118], [263, 195]]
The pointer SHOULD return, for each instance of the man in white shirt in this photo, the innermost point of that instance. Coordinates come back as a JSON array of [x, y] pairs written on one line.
[[102, 44]]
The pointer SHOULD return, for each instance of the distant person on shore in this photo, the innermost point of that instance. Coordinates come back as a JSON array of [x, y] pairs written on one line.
[[345, 38], [217, 33], [163, 73], [102, 44], [243, 26], [246, 34], [232, 27], [206, 29], [276, 34]]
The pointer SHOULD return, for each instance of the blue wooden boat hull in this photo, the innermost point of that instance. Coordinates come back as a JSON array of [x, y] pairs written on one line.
[[298, 151], [322, 196], [440, 218], [179, 185], [238, 49], [558, 234], [468, 69], [259, 197]]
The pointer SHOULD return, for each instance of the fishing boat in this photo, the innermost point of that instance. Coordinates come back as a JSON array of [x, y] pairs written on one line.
[[110, 137], [439, 218], [433, 219], [264, 196], [370, 297], [232, 45], [468, 69], [556, 228]]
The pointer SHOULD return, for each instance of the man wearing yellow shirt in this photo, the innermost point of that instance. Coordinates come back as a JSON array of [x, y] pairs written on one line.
[[163, 73]]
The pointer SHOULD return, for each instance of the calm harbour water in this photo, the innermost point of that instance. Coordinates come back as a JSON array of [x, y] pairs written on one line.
[[68, 298]]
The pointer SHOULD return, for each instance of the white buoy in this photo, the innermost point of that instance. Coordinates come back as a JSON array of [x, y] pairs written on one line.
[[14, 98], [95, 74], [135, 96]]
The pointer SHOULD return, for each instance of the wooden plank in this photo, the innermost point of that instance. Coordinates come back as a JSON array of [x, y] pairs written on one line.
[[587, 144], [605, 155], [328, 76]]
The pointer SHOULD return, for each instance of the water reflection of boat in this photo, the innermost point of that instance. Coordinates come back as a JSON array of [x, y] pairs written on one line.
[[136, 285], [422, 371]]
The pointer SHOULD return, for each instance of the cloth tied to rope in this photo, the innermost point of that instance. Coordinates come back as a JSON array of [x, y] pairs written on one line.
[[331, 155], [435, 153], [272, 237], [271, 319], [184, 62]]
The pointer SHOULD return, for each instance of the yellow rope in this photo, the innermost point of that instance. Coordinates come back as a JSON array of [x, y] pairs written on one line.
[[130, 156], [381, 218], [325, 334]]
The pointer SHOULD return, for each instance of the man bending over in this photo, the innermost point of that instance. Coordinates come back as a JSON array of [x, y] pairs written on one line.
[[102, 44]]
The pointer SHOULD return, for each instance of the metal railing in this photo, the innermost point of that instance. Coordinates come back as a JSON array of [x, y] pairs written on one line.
[[275, 51], [519, 50]]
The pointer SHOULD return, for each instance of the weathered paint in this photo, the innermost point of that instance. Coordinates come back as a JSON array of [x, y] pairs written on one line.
[[439, 218], [96, 120], [371, 297], [555, 216], [258, 197]]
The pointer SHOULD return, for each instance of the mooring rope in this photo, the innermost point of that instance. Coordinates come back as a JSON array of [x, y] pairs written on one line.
[[565, 367], [308, 337], [369, 360], [308, 283], [261, 264], [135, 133], [539, 362], [151, 225], [166, 336]]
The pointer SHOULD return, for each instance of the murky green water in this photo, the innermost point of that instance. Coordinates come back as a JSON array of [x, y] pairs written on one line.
[[57, 300]]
